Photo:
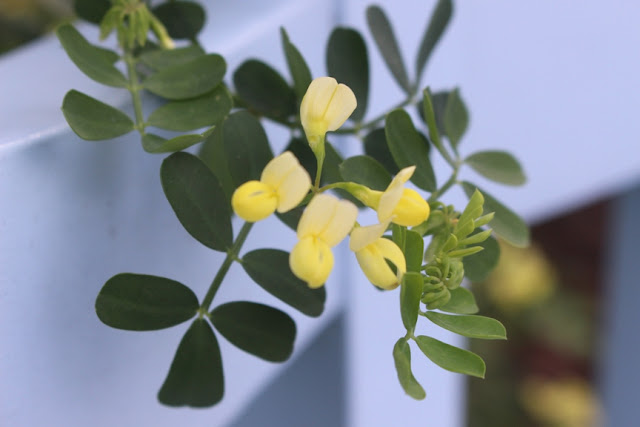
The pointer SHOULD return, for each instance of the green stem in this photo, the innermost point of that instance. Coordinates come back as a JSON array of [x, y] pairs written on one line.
[[444, 153], [134, 88], [319, 151], [232, 255], [371, 123], [446, 186]]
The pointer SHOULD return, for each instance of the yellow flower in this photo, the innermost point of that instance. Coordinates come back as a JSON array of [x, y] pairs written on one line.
[[373, 251], [403, 206], [325, 107], [324, 223], [282, 186]]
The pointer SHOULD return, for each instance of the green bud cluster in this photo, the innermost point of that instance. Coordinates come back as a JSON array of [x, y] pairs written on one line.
[[132, 21], [452, 240]]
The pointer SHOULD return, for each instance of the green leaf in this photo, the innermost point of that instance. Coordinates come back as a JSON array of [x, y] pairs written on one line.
[[470, 326], [498, 166], [402, 359], [410, 293], [365, 170], [213, 155], [138, 302], [438, 105], [477, 267], [413, 251], [409, 148], [438, 23], [90, 59], [429, 114], [462, 302], [456, 118], [264, 90], [246, 146], [195, 378], [382, 32], [292, 217], [161, 58], [196, 196], [297, 66], [331, 166], [375, 145], [348, 63], [156, 144], [258, 329], [505, 223], [269, 268], [91, 10], [94, 120], [183, 19], [194, 113], [451, 358], [188, 79]]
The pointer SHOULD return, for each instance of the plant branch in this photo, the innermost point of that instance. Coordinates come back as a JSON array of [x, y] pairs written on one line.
[[134, 88], [232, 255]]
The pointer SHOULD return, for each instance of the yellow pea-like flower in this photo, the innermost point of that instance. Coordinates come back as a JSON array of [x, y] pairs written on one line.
[[324, 223], [283, 184], [372, 252], [325, 107], [403, 206]]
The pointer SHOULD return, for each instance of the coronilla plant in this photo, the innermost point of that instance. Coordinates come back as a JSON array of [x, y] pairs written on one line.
[[419, 250]]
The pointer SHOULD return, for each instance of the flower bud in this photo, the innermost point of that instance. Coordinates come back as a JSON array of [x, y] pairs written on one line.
[[325, 107]]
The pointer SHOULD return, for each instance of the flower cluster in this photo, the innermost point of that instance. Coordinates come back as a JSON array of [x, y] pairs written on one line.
[[327, 220]]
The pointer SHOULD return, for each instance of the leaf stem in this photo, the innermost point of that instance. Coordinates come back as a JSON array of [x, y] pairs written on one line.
[[447, 185], [232, 255], [371, 123], [134, 88]]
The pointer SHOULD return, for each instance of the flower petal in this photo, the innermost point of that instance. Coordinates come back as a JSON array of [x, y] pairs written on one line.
[[254, 200], [276, 171], [392, 195], [293, 189], [363, 236], [340, 108], [341, 223], [311, 260], [289, 178], [411, 209], [314, 105], [372, 261], [327, 218]]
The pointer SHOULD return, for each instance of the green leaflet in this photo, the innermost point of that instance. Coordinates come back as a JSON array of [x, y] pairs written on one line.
[[269, 268], [195, 378], [258, 329], [402, 359], [138, 302], [94, 120], [348, 63], [197, 198]]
